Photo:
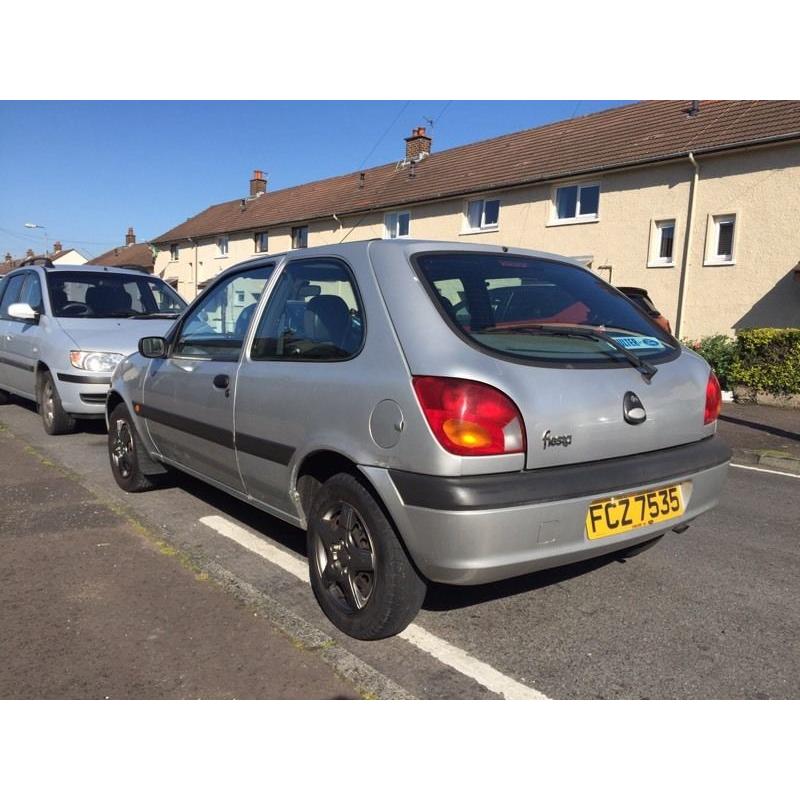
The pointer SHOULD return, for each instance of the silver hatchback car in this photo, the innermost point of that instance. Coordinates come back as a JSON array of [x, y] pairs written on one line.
[[64, 329], [426, 411]]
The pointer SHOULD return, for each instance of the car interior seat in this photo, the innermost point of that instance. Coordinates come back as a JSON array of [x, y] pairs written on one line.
[[108, 299], [327, 319]]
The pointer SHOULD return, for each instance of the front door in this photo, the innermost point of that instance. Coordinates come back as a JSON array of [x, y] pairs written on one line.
[[23, 336], [16, 373], [188, 396], [311, 328]]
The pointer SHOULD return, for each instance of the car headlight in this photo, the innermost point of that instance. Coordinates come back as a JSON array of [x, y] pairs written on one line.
[[93, 361]]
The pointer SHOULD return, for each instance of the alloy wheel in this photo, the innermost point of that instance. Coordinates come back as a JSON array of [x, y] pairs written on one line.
[[122, 449], [345, 557]]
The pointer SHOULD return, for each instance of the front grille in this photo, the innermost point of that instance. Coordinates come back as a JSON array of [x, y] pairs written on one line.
[[94, 399]]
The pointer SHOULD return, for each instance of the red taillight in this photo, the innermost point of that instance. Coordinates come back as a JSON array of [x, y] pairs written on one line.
[[713, 399], [470, 418]]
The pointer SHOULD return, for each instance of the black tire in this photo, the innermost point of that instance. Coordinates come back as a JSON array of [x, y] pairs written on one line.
[[347, 528], [56, 421], [131, 466]]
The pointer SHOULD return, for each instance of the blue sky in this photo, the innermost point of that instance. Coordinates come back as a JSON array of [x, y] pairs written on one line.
[[88, 170]]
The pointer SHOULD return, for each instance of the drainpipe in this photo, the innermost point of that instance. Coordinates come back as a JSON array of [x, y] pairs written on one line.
[[194, 263], [687, 244]]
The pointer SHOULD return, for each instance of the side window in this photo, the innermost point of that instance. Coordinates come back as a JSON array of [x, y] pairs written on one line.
[[216, 327], [314, 314], [11, 294], [32, 292]]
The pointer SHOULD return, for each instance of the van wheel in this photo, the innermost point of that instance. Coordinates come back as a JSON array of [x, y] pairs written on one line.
[[56, 421], [360, 573], [126, 453]]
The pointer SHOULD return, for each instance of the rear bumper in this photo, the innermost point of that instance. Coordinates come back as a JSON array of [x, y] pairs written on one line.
[[83, 395], [478, 529]]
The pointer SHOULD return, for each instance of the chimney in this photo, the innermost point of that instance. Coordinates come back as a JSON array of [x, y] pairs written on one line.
[[130, 238], [258, 183], [57, 248], [694, 109], [9, 258], [29, 254], [418, 145]]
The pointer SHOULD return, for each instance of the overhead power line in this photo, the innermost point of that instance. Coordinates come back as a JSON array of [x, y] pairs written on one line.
[[384, 134]]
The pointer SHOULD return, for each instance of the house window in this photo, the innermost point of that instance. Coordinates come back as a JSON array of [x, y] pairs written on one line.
[[173, 252], [482, 215], [662, 243], [397, 224], [300, 237], [239, 298], [261, 241], [578, 203], [721, 247], [222, 246]]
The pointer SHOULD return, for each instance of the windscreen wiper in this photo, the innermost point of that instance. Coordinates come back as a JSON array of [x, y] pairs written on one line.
[[156, 315], [645, 368]]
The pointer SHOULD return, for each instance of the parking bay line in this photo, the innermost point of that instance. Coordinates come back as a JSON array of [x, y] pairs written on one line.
[[769, 471], [441, 650]]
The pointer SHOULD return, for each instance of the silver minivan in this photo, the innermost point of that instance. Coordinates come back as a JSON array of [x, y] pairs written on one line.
[[426, 411], [63, 329]]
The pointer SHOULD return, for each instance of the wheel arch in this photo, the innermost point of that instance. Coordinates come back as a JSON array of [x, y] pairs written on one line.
[[313, 470], [316, 467]]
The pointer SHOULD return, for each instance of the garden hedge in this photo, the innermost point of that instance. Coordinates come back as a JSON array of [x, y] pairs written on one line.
[[767, 360]]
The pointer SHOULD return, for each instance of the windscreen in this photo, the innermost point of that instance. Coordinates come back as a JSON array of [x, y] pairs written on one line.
[[104, 294], [535, 309]]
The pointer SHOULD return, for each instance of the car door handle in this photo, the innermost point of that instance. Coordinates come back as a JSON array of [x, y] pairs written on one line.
[[221, 381]]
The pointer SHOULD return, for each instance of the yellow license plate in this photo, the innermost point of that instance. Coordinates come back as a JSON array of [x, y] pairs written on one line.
[[616, 515]]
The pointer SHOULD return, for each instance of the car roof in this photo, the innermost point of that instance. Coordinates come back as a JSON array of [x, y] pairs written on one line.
[[88, 268], [409, 246]]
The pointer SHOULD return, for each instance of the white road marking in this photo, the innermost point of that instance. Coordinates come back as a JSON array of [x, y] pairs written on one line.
[[770, 471], [443, 651], [466, 664], [286, 561]]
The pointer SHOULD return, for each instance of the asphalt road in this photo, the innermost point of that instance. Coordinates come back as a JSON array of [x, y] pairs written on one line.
[[711, 613]]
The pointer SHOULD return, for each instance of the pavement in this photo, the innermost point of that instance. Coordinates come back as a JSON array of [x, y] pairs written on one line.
[[93, 605], [711, 613]]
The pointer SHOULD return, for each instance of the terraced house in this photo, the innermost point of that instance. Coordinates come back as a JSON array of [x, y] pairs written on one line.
[[696, 201]]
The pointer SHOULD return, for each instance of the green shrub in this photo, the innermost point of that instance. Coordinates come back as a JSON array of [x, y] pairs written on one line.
[[719, 351], [768, 360]]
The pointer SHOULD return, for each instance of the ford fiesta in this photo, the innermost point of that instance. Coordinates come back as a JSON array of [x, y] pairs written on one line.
[[426, 411]]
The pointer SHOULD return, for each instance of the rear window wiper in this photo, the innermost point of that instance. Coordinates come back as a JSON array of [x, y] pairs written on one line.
[[645, 368]]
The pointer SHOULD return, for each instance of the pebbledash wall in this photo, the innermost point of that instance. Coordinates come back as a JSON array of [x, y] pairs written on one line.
[[760, 186]]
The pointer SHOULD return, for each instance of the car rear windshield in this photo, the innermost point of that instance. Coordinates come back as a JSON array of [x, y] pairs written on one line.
[[88, 295], [533, 309]]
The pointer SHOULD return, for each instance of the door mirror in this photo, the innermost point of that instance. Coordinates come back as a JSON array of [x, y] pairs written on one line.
[[153, 347], [22, 311]]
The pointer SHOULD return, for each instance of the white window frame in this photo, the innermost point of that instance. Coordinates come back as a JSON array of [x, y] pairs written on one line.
[[712, 259], [391, 224], [483, 227], [656, 226], [579, 218], [256, 237], [174, 252], [298, 228], [223, 245]]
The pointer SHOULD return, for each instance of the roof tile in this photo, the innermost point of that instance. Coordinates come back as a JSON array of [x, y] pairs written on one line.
[[643, 132]]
